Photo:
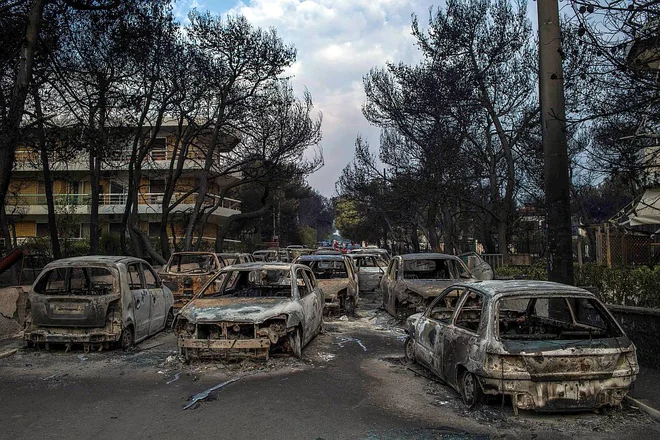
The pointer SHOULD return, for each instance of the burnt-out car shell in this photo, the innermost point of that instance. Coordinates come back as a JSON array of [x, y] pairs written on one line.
[[383, 253], [412, 281], [230, 258], [549, 346], [251, 310], [370, 269], [186, 272], [337, 277], [97, 301]]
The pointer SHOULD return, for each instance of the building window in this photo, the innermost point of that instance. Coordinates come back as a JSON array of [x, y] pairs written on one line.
[[43, 230], [159, 149]]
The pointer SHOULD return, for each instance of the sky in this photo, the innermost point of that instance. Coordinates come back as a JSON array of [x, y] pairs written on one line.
[[337, 42]]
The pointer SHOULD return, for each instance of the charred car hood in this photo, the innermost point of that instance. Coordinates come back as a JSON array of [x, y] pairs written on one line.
[[234, 309], [428, 288]]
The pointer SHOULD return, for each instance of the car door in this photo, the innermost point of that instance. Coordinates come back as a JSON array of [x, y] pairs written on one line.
[[461, 340], [309, 303], [158, 314], [432, 327], [141, 300], [370, 272], [319, 302], [386, 284]]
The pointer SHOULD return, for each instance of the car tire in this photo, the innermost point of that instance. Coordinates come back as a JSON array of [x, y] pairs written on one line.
[[409, 350], [295, 342], [349, 306], [169, 320], [470, 389], [126, 340]]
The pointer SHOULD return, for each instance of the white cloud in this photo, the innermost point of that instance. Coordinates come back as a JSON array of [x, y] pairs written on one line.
[[338, 42]]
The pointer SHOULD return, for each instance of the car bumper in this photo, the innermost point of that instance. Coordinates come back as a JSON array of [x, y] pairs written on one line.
[[567, 395], [224, 348], [80, 336]]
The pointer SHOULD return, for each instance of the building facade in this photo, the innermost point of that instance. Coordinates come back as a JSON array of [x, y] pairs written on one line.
[[27, 208]]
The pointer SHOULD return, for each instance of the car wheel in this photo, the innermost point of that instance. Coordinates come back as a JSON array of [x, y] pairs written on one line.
[[127, 339], [409, 350], [170, 319], [349, 306], [470, 389], [295, 343]]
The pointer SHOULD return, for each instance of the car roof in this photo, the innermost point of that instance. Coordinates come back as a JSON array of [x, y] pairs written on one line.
[[363, 254], [428, 255], [496, 288], [321, 257], [102, 260], [274, 265]]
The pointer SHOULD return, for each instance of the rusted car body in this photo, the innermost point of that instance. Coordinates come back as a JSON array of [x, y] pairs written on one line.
[[548, 346], [412, 281], [267, 255], [252, 310], [186, 272], [337, 277], [479, 267], [383, 253], [97, 301], [370, 269], [229, 258]]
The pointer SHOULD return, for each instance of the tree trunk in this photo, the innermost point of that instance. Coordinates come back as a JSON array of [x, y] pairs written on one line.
[[48, 181], [9, 134], [95, 182]]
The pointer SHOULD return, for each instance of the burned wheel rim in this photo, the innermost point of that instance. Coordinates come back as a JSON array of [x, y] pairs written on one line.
[[295, 342], [127, 338], [470, 389], [409, 349], [170, 319], [349, 306]]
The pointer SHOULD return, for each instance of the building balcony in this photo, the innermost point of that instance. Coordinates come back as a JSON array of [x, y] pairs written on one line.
[[115, 203]]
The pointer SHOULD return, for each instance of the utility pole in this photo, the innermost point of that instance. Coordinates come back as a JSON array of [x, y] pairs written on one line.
[[555, 151]]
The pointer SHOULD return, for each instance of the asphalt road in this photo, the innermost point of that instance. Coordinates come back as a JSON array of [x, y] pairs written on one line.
[[351, 384]]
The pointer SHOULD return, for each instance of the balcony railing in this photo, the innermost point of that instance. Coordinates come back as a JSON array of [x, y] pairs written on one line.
[[118, 199]]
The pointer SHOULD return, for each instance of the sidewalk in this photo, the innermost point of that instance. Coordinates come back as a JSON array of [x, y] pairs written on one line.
[[646, 394]]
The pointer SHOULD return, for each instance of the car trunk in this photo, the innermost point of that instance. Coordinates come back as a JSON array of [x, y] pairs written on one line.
[[576, 360], [70, 310]]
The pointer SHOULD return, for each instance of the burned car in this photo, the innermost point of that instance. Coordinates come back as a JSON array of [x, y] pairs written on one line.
[[266, 255], [370, 269], [251, 310], [383, 253], [548, 346], [337, 277], [479, 267], [230, 258], [97, 301], [186, 272], [412, 281]]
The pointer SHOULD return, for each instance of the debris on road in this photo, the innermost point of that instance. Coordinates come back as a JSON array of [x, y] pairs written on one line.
[[205, 394], [53, 376], [343, 340], [8, 353], [176, 377]]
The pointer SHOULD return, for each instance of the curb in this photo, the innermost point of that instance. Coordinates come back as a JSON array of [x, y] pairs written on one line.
[[8, 353], [644, 407]]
